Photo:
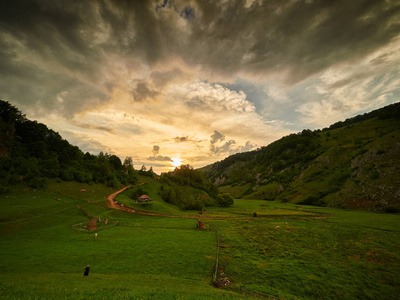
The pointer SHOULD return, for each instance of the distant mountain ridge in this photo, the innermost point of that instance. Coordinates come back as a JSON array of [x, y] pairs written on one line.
[[351, 164]]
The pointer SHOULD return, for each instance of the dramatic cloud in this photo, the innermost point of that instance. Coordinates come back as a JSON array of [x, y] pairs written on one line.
[[156, 150], [216, 137], [128, 75], [218, 146], [181, 139], [156, 157], [186, 139], [159, 158]]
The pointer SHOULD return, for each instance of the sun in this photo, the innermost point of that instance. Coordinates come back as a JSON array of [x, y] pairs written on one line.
[[176, 162]]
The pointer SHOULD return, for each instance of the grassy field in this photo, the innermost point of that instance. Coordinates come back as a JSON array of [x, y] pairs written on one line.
[[315, 253]]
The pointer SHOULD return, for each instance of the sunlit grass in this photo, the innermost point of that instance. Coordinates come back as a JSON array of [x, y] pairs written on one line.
[[288, 251]]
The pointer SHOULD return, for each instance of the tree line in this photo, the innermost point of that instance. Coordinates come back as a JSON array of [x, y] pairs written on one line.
[[32, 153]]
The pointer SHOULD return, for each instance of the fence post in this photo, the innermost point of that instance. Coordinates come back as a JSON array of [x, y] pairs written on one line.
[[217, 258]]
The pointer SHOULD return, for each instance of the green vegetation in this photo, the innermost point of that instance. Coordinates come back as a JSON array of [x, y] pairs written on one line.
[[335, 258], [250, 248], [225, 199], [32, 153], [353, 164], [288, 251], [188, 188], [42, 257]]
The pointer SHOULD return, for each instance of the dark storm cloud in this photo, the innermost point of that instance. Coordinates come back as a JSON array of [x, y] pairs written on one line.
[[161, 79], [41, 42], [70, 42], [44, 91], [159, 6], [188, 13], [51, 29], [151, 88], [300, 37], [296, 37], [144, 91]]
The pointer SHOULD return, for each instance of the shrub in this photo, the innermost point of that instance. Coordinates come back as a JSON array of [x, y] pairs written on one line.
[[3, 189], [375, 174], [380, 152], [392, 210], [38, 182], [313, 200], [225, 199]]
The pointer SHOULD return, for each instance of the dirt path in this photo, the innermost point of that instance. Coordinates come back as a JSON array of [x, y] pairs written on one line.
[[114, 205]]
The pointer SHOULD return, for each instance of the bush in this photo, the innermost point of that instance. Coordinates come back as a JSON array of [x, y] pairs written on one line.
[[67, 175], [313, 200], [225, 199], [3, 189], [374, 174], [392, 210], [38, 182]]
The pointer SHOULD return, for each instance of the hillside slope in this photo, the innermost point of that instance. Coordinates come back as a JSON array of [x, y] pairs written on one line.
[[352, 164], [31, 152]]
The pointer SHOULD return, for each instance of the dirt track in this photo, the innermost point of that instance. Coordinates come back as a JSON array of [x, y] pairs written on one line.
[[112, 204]]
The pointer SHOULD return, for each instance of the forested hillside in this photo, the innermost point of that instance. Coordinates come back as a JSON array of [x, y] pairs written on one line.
[[188, 188], [31, 152], [351, 164]]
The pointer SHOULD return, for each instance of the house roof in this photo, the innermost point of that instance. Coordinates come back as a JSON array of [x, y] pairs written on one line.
[[144, 197]]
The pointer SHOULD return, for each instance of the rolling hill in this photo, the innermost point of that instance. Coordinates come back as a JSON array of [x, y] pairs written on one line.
[[352, 164]]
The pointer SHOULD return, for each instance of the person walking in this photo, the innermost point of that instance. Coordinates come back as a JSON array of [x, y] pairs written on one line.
[[87, 269]]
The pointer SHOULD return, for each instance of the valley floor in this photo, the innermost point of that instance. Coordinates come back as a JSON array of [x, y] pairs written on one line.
[[285, 252]]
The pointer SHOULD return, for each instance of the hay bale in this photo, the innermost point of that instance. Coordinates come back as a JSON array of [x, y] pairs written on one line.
[[201, 225], [92, 226]]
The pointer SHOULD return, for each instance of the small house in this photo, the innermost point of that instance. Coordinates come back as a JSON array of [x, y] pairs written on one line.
[[143, 198]]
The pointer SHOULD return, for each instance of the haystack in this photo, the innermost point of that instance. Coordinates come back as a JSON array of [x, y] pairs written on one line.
[[92, 226], [201, 225]]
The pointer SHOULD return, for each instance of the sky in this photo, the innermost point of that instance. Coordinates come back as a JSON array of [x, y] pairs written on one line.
[[173, 82]]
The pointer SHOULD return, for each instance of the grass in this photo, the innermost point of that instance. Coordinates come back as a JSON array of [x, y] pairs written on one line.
[[345, 254], [132, 286], [241, 208], [143, 257]]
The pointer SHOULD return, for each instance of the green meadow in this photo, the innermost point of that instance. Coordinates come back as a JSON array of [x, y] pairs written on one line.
[[286, 252]]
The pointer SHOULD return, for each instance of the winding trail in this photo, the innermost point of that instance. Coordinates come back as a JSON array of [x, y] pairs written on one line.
[[114, 205]]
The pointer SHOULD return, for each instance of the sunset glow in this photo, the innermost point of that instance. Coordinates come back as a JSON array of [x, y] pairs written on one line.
[[202, 79], [176, 162]]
